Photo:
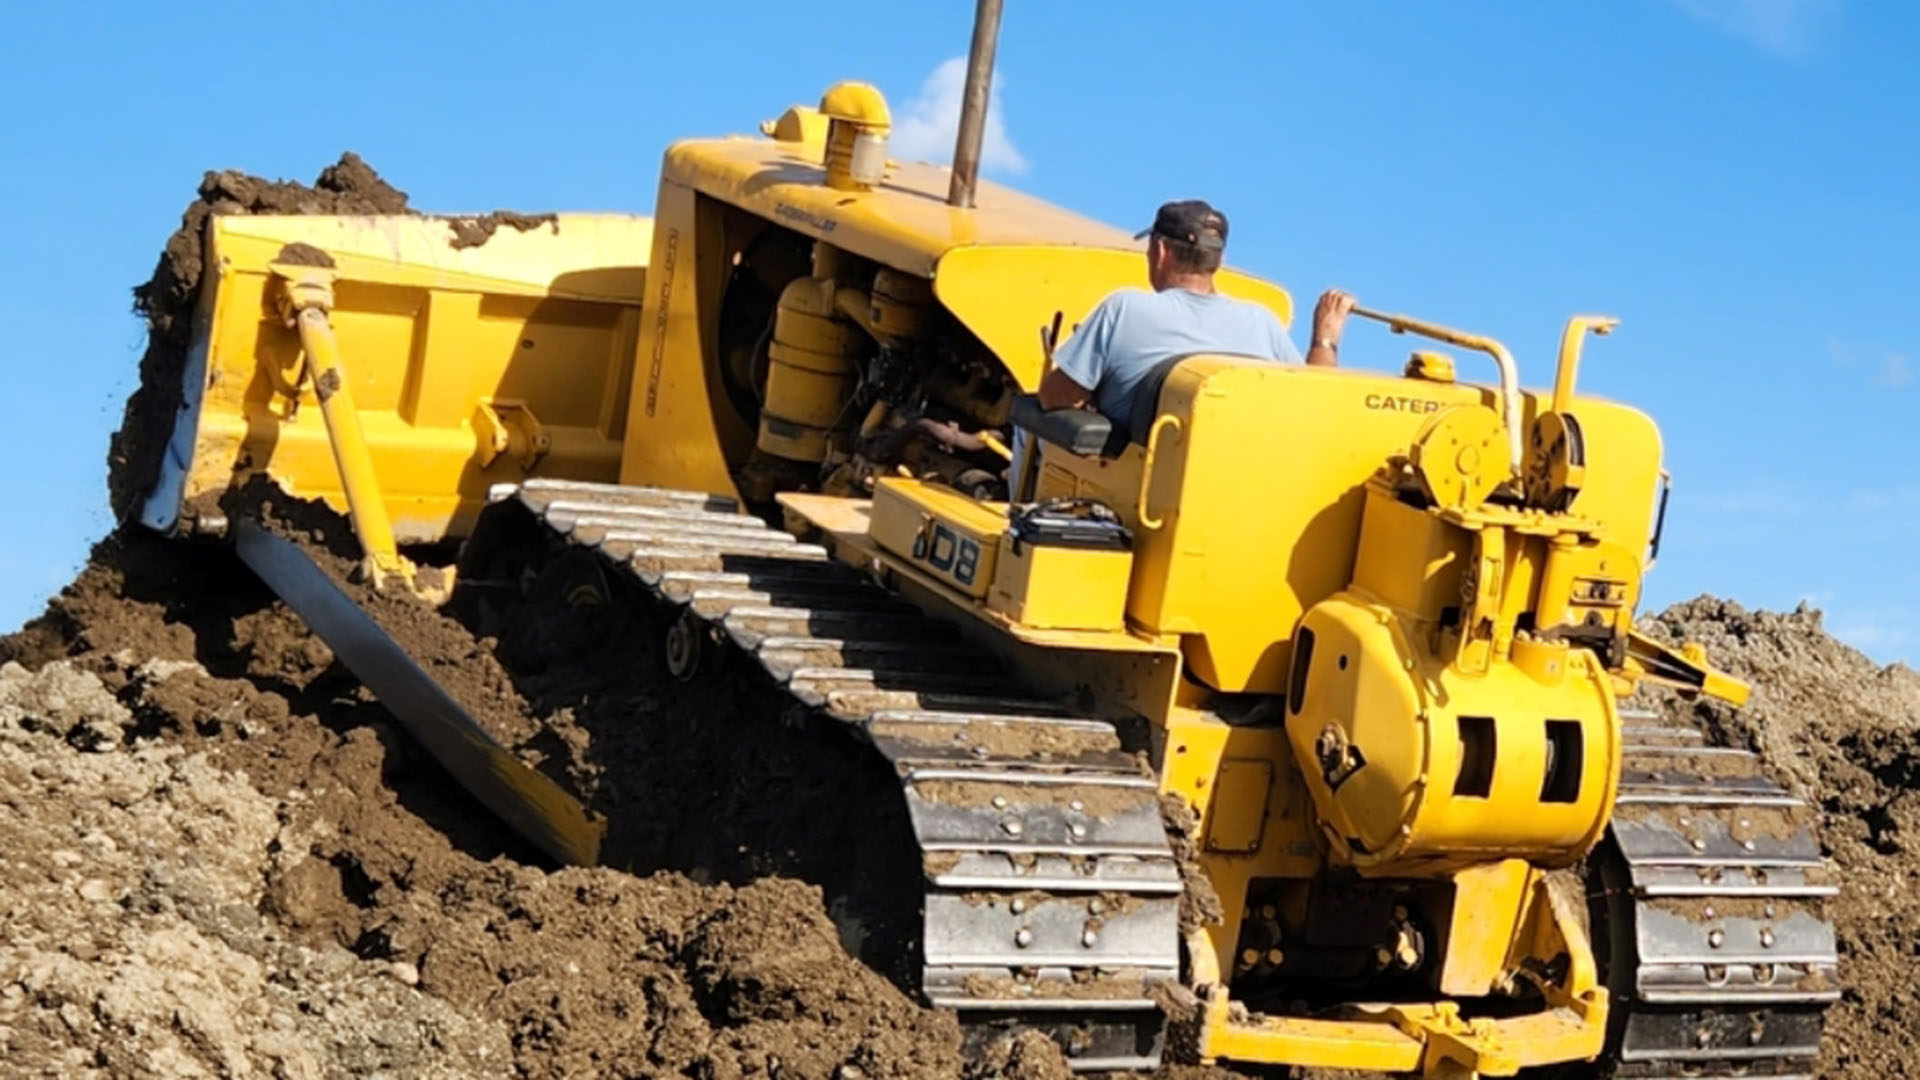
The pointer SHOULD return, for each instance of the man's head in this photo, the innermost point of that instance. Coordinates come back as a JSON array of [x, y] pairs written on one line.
[[1187, 238]]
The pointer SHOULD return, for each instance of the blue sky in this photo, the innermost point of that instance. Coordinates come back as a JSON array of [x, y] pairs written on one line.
[[1738, 180]]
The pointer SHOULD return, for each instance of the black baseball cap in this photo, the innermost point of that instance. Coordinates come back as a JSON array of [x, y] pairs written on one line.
[[1192, 221]]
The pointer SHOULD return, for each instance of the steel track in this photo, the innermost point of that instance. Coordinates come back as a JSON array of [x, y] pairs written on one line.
[[1724, 906], [1051, 894]]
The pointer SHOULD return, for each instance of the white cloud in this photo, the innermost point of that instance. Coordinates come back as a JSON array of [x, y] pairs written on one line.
[[1895, 372], [925, 127], [1786, 28]]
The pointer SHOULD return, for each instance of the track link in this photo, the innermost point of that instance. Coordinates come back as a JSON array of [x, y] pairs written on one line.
[[1051, 894], [1734, 956]]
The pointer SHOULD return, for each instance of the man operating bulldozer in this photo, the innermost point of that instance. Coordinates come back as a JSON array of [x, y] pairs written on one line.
[[1132, 332], [1114, 354]]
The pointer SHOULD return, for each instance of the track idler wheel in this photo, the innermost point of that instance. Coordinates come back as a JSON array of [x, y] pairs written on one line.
[[687, 647]]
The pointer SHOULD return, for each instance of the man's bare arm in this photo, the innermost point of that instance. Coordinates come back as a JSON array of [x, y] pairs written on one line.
[[1057, 391], [1329, 322]]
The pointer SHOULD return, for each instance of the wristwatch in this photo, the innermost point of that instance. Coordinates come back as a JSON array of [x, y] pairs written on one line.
[[1326, 343]]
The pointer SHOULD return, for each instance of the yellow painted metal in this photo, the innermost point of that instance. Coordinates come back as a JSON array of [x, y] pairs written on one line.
[[1488, 902], [941, 531], [545, 318], [305, 298], [857, 127], [1502, 358], [1571, 342], [1003, 269], [1197, 746], [811, 371], [1460, 456], [1062, 588], [1434, 1040], [1234, 574], [1161, 424], [1685, 669], [1374, 1046], [799, 124], [1437, 739], [1401, 765], [1242, 788]]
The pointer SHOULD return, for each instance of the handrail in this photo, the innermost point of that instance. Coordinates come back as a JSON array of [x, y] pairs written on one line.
[[1509, 371], [1160, 424]]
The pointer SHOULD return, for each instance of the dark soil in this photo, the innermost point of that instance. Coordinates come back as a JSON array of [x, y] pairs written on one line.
[[476, 231]]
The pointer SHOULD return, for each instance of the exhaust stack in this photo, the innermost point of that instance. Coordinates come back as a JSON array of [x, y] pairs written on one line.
[[973, 105]]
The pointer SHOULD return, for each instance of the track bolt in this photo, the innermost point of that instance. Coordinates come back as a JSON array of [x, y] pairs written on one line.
[[1754, 1037], [1078, 830], [1766, 937], [1019, 905], [1745, 824], [1769, 911], [1748, 844], [1088, 938], [999, 802], [980, 753], [1012, 825], [1699, 844], [1716, 938], [1096, 906], [1076, 806], [1710, 912], [1686, 823], [1023, 937]]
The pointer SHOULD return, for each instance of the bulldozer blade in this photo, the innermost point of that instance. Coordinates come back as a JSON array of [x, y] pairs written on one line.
[[531, 803], [466, 366]]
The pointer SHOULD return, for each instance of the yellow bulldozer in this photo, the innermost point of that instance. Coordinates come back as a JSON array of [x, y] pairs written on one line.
[[1344, 648]]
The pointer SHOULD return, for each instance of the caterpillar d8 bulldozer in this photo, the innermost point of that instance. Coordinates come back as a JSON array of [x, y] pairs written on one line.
[[1345, 648]]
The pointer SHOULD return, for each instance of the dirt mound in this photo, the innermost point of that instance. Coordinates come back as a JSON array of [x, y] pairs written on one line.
[[167, 300], [130, 937], [367, 850], [1844, 733]]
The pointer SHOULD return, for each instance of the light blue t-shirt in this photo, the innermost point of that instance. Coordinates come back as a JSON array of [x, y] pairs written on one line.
[[1134, 330]]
